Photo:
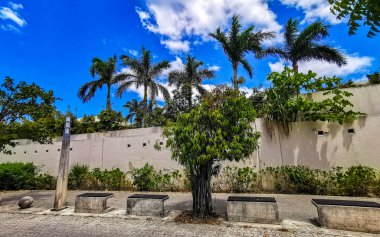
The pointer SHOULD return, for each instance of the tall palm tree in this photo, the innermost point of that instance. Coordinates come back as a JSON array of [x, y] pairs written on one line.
[[105, 70], [143, 73], [304, 46], [135, 110], [236, 44], [189, 77]]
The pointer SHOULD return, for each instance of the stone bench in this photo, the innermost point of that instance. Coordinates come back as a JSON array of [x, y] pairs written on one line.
[[92, 202], [146, 204], [252, 209], [348, 215]]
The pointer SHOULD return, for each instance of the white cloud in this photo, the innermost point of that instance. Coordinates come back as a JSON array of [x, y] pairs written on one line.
[[177, 64], [176, 45], [133, 52], [355, 64], [104, 41], [214, 68], [16, 6], [178, 20], [314, 10], [11, 14], [9, 27]]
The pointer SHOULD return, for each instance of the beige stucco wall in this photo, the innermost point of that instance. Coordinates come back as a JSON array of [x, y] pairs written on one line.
[[302, 147]]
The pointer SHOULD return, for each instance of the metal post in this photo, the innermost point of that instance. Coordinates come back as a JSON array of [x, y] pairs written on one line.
[[63, 170]]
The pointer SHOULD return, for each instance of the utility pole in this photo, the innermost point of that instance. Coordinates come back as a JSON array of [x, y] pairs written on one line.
[[63, 170]]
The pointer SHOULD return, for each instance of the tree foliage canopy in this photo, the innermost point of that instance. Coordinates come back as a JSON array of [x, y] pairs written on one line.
[[366, 11], [20, 104], [305, 45], [281, 104], [218, 129]]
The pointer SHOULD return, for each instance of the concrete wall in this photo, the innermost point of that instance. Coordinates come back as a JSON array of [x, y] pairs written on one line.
[[336, 147]]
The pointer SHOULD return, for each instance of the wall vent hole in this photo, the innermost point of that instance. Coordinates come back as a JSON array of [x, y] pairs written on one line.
[[129, 145], [161, 143], [47, 150], [59, 150], [351, 130], [144, 144], [320, 133]]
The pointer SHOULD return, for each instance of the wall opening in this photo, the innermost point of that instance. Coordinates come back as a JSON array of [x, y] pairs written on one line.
[[351, 131]]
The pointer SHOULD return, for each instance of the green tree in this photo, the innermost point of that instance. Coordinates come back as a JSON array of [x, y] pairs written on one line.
[[213, 132], [143, 74], [191, 76], [19, 104], [110, 120], [105, 70], [374, 78], [236, 44], [366, 11], [282, 104], [136, 110], [304, 46]]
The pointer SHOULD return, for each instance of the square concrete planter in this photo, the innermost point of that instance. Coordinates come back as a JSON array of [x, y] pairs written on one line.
[[146, 205], [348, 215], [92, 202], [252, 209]]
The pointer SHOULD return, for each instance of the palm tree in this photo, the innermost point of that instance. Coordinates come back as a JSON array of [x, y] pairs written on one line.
[[304, 46], [135, 110], [143, 73], [106, 72], [189, 77], [236, 44]]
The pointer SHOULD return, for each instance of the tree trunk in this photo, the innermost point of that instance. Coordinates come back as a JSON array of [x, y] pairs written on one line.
[[201, 191], [235, 81], [145, 103], [108, 106], [295, 66]]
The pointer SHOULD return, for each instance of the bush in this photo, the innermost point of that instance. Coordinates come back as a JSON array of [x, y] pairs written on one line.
[[79, 176], [45, 182], [147, 178], [15, 176], [239, 180], [356, 181]]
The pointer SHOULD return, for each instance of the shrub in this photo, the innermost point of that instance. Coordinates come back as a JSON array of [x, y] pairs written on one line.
[[144, 178], [16, 175], [45, 182], [356, 181], [239, 179], [79, 176], [147, 178]]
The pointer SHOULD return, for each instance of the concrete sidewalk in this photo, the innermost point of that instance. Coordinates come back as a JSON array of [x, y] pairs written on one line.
[[296, 211], [291, 207]]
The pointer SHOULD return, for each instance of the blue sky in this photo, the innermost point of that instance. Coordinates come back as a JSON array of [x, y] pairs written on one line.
[[52, 42]]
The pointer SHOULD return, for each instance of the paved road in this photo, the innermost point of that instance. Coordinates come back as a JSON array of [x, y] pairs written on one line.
[[26, 225]]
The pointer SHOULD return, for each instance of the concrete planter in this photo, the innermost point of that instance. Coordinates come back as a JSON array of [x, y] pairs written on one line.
[[348, 215], [146, 205], [92, 203], [252, 209]]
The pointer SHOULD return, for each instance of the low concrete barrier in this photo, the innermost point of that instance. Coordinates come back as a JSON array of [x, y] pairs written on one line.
[[92, 202], [146, 204], [252, 209], [348, 215]]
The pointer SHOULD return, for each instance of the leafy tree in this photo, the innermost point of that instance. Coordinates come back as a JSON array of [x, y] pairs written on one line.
[[374, 78], [304, 45], [212, 132], [189, 77], [106, 71], [110, 120], [366, 11], [177, 105], [143, 74], [236, 44], [282, 104], [136, 110], [23, 102]]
